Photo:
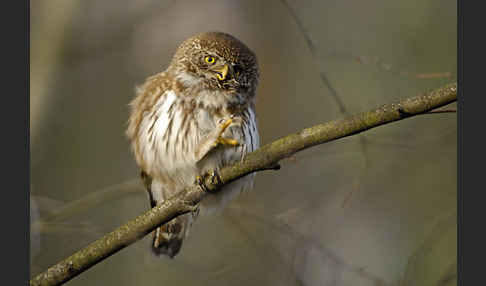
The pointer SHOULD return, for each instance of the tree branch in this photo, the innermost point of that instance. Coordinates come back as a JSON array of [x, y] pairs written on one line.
[[267, 157]]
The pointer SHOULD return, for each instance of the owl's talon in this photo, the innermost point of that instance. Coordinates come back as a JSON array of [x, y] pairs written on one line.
[[225, 125], [200, 182], [215, 138], [215, 178], [225, 141]]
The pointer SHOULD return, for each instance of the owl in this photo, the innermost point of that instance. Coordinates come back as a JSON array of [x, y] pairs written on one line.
[[195, 117]]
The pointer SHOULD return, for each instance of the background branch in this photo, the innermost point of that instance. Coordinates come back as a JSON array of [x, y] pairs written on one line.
[[106, 194], [264, 158], [327, 84]]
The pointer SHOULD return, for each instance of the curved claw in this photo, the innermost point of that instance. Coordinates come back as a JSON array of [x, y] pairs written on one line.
[[225, 125], [228, 142], [214, 139], [214, 177], [200, 182], [225, 141]]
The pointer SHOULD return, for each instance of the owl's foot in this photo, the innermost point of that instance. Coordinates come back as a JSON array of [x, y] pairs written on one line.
[[214, 179], [222, 140], [215, 139], [200, 182]]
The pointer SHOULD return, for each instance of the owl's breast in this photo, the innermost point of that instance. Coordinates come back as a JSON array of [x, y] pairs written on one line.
[[171, 132]]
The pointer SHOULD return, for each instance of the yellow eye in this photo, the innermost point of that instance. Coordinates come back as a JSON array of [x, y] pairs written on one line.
[[210, 59]]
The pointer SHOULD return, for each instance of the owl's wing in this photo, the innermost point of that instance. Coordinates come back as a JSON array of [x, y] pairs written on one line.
[[145, 108], [148, 123], [154, 87], [147, 182]]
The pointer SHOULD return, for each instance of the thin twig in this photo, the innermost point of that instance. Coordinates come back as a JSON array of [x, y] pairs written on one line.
[[327, 83], [312, 48], [306, 240], [442, 111], [106, 194]]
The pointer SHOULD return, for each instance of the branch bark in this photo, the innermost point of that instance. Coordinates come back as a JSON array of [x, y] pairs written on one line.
[[267, 157]]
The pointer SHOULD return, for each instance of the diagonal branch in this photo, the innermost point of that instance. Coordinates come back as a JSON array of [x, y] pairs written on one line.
[[267, 157], [327, 83], [312, 48]]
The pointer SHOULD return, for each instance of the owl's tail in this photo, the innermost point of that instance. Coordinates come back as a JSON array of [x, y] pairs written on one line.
[[167, 239]]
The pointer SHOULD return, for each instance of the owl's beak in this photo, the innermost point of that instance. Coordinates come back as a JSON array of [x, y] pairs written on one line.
[[221, 71]]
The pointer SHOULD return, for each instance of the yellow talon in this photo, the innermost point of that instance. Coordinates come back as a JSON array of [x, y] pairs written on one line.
[[227, 141], [225, 125]]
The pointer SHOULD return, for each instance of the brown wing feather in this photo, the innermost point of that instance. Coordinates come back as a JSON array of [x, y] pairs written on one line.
[[147, 182]]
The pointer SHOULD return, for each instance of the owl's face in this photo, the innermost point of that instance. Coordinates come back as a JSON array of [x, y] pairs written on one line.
[[216, 61]]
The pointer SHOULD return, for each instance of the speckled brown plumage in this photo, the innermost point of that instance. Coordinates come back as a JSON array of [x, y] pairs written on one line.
[[196, 116]]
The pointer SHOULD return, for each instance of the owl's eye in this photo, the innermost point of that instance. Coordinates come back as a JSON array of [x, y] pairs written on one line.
[[209, 59]]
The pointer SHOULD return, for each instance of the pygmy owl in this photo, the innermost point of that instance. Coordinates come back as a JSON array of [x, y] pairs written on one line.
[[195, 117]]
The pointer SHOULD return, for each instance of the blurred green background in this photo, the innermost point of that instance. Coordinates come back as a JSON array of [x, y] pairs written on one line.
[[373, 209]]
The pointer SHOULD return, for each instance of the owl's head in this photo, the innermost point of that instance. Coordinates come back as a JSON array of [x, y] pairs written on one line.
[[217, 61]]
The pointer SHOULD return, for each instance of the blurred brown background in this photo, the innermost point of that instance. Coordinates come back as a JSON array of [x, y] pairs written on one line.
[[374, 209]]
